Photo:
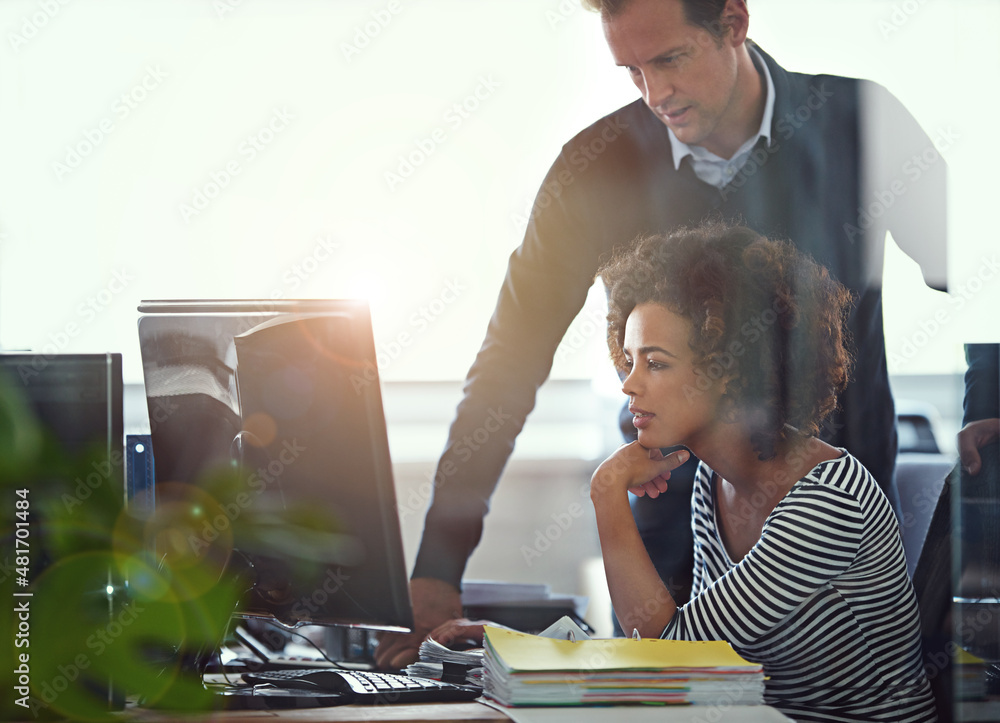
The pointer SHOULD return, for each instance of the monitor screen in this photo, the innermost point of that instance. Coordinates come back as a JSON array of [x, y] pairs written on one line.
[[267, 416], [77, 399]]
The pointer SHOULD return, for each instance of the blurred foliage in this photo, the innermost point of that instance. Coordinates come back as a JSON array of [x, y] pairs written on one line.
[[103, 615]]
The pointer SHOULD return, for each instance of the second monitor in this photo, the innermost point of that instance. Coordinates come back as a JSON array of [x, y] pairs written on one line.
[[268, 415]]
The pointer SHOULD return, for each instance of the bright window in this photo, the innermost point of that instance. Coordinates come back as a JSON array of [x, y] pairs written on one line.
[[389, 150]]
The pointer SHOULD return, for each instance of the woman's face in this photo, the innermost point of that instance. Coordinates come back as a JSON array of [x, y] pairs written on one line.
[[672, 402]]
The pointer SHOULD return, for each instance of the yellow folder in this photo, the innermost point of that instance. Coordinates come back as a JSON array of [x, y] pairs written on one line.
[[530, 653]]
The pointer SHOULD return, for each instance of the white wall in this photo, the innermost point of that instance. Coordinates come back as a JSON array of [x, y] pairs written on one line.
[[100, 191]]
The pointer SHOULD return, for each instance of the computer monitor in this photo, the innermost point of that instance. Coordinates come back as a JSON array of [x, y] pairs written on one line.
[[282, 401]]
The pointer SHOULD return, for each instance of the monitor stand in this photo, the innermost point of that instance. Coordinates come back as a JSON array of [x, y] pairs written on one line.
[[192, 692], [201, 683]]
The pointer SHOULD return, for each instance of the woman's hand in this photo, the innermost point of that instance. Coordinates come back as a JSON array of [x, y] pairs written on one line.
[[636, 469], [632, 579]]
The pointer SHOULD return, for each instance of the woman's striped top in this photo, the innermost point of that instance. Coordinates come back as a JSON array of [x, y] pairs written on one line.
[[822, 601]]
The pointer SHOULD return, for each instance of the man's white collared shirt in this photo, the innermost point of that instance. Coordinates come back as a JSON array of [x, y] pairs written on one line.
[[715, 170]]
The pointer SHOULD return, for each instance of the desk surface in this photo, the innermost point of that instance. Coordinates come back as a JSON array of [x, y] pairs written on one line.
[[477, 711], [411, 713]]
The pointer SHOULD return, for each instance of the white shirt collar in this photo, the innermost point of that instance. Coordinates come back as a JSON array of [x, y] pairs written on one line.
[[681, 149]]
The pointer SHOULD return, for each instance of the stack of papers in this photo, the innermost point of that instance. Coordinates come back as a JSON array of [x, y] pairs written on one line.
[[464, 667], [530, 670]]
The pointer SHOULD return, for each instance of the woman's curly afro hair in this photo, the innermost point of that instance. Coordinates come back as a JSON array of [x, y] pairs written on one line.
[[766, 321]]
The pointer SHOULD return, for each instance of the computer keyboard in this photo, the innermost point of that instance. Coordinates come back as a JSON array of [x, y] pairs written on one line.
[[360, 686]]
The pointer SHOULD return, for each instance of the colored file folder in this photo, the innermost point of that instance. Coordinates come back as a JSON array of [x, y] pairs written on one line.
[[523, 669]]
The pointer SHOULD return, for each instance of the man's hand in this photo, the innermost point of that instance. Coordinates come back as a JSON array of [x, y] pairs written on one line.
[[461, 633], [435, 602], [973, 437]]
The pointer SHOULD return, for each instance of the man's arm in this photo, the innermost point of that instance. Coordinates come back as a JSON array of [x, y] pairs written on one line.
[[596, 195], [593, 197], [543, 291], [546, 285], [982, 382]]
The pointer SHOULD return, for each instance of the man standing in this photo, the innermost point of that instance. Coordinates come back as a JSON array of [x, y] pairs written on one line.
[[722, 130]]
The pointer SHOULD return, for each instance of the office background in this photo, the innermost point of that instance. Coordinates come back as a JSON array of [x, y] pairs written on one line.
[[391, 150]]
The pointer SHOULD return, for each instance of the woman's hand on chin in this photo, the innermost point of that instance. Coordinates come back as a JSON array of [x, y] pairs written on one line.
[[653, 488], [635, 469]]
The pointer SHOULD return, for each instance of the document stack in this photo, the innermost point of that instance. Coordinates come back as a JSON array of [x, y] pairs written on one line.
[[463, 667], [530, 670]]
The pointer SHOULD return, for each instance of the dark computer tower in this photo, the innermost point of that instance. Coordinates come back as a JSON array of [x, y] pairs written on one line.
[[61, 494]]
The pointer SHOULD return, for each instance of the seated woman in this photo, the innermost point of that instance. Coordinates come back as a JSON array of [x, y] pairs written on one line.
[[733, 346]]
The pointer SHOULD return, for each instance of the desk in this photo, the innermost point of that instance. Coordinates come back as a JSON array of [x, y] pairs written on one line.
[[476, 711], [412, 713]]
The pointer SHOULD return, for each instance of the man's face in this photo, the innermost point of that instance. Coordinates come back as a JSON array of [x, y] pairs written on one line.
[[686, 75]]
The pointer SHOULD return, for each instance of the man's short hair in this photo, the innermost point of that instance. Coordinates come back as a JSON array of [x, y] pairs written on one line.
[[705, 14]]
